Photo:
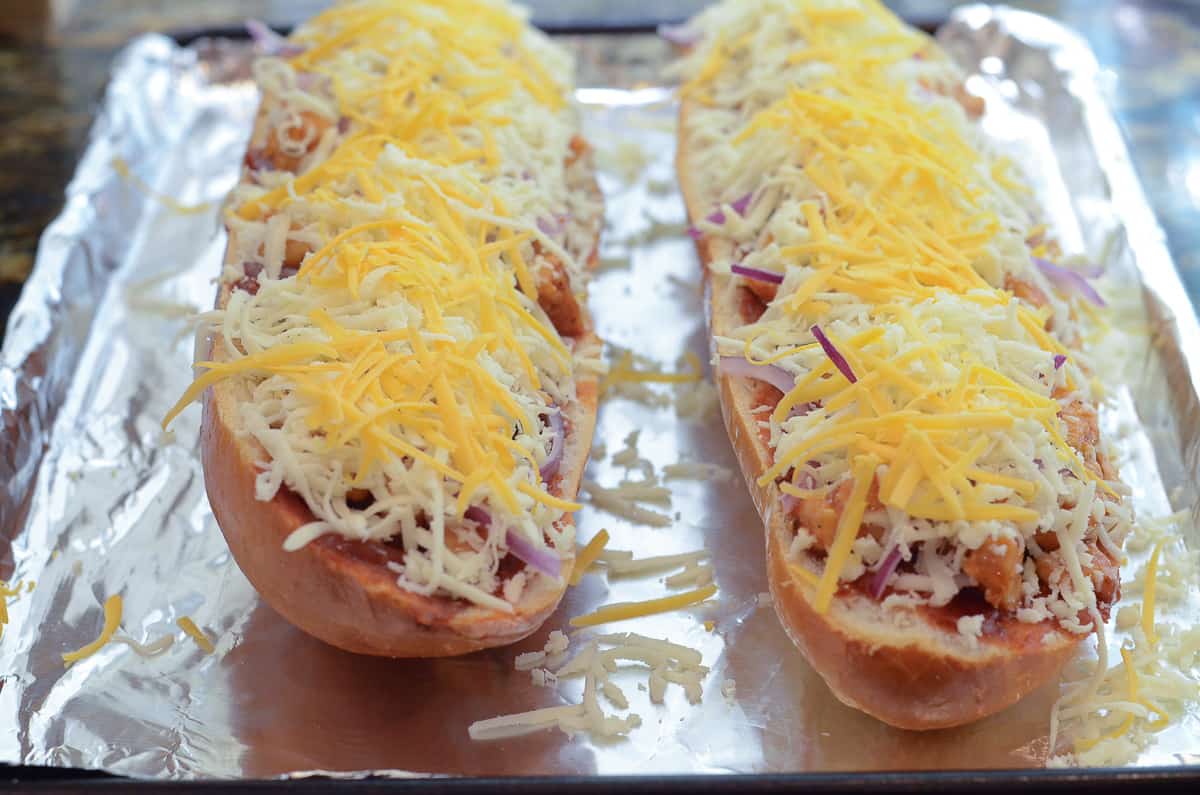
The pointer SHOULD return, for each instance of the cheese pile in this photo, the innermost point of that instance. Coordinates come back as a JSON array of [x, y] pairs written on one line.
[[1111, 715], [406, 373], [832, 143]]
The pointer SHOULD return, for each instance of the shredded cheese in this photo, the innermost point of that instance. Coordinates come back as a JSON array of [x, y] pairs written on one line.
[[121, 167], [620, 501], [415, 184], [621, 611], [665, 663], [587, 556], [1149, 594], [6, 593], [1111, 714], [151, 649], [112, 620], [939, 396], [200, 636]]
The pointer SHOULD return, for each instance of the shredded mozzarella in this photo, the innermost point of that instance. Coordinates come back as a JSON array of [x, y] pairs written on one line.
[[418, 173]]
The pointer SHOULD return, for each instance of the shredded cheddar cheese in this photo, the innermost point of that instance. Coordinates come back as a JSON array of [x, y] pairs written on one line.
[[621, 611], [200, 636], [938, 395], [6, 593], [413, 186], [112, 620], [588, 555], [1148, 595]]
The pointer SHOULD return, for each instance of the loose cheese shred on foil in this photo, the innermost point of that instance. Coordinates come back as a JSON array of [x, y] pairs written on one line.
[[113, 607], [621, 611], [189, 626], [1112, 714], [587, 556], [6, 593], [619, 501], [596, 662], [151, 649], [122, 169]]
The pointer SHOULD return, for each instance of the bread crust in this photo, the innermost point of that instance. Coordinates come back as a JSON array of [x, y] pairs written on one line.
[[907, 666], [341, 598]]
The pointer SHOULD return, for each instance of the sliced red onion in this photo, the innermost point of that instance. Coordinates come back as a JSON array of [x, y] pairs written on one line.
[[1067, 279], [1059, 360], [544, 559], [718, 215], [552, 225], [257, 160], [679, 35], [557, 442], [739, 207], [757, 275], [768, 373], [270, 42], [834, 354], [879, 582], [478, 515]]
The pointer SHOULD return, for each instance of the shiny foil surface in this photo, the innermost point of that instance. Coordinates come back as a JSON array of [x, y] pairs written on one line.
[[100, 501]]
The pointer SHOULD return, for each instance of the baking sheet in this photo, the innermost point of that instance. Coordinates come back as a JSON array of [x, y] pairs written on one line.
[[101, 501]]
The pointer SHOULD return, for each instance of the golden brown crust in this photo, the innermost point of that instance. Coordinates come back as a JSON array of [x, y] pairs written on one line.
[[338, 597], [908, 667]]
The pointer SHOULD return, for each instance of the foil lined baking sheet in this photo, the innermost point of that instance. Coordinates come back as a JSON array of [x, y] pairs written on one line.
[[100, 501]]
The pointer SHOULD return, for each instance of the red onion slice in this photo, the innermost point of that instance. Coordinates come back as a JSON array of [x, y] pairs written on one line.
[[270, 42], [478, 515], [718, 216], [679, 35], [884, 573], [834, 354], [552, 225], [1059, 360], [771, 374], [1069, 280], [544, 559], [739, 207], [557, 442], [756, 274]]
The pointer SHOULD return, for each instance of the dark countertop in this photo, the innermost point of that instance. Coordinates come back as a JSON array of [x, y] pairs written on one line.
[[55, 56]]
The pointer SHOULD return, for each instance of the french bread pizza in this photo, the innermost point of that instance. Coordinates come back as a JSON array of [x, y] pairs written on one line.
[[901, 358], [399, 385]]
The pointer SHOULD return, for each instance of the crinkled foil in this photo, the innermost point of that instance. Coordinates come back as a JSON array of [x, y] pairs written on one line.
[[100, 501]]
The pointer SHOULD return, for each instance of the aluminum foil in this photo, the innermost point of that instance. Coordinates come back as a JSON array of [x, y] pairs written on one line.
[[100, 501]]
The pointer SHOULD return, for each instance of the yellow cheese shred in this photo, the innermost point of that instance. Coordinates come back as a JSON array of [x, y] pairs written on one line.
[[624, 371], [587, 556], [189, 626], [122, 169], [621, 611], [1149, 595], [112, 620], [847, 531]]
